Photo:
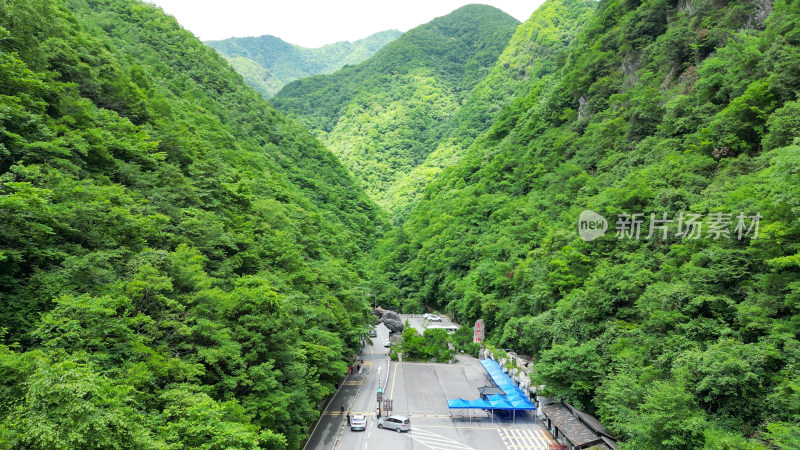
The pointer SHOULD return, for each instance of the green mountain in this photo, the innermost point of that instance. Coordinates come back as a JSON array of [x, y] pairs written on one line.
[[684, 113], [256, 76], [267, 63], [612, 187], [533, 52], [384, 116], [178, 261]]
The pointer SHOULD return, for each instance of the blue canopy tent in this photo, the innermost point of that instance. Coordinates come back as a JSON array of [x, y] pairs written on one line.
[[522, 404], [479, 404], [458, 403], [514, 400], [499, 402]]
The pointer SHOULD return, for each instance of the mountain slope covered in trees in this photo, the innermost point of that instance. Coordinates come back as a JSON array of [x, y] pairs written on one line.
[[267, 63], [683, 109], [178, 261], [533, 52], [385, 115]]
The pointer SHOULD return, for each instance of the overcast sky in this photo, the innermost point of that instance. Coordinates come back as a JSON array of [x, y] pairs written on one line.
[[316, 23]]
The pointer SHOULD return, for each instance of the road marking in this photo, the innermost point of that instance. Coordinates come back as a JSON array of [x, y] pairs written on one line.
[[463, 427], [394, 377], [524, 438], [436, 441]]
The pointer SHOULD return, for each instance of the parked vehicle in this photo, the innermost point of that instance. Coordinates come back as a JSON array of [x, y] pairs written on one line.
[[373, 333], [433, 318], [387, 343], [396, 423], [358, 422]]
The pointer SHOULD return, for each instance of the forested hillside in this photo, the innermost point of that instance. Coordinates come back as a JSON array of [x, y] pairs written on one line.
[[178, 261], [533, 52], [675, 336], [384, 116], [267, 63]]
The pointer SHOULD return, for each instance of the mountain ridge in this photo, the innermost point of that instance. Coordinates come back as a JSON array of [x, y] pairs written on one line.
[[268, 63], [404, 93], [532, 53]]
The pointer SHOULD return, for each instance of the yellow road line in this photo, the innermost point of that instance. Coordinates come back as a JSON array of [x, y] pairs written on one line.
[[394, 377]]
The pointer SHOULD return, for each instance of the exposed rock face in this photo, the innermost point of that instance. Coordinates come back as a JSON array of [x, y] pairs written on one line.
[[391, 319]]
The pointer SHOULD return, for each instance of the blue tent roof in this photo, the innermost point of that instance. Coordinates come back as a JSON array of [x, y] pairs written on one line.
[[521, 403], [479, 404], [497, 401], [515, 398], [458, 403]]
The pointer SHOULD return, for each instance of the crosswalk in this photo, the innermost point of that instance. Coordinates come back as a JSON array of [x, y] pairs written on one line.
[[436, 441], [515, 438]]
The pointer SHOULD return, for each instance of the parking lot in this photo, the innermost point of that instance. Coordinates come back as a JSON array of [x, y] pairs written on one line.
[[419, 391], [420, 323]]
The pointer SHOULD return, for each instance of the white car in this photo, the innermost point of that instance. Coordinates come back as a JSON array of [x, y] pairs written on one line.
[[396, 423], [387, 343], [358, 422], [433, 318]]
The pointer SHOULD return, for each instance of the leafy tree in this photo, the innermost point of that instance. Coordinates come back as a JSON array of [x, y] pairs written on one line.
[[654, 107]]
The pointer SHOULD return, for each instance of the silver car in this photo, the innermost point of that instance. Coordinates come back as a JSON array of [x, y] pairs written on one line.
[[396, 423]]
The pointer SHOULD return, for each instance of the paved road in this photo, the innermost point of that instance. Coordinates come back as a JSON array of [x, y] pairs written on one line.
[[420, 391]]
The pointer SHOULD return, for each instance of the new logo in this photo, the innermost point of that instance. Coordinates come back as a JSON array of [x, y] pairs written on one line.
[[591, 225]]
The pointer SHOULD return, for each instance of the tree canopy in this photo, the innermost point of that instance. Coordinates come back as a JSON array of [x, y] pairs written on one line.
[[675, 109], [178, 261], [384, 116]]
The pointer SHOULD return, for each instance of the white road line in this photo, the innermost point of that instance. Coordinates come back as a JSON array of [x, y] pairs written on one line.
[[436, 441], [516, 438]]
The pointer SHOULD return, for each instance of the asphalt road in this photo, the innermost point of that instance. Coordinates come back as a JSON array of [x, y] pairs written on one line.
[[420, 391]]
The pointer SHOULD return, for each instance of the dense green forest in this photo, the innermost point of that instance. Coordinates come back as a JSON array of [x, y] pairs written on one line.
[[534, 51], [178, 261], [676, 108], [384, 116], [267, 63]]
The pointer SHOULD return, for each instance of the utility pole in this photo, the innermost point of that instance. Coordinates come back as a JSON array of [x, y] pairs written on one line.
[[380, 400]]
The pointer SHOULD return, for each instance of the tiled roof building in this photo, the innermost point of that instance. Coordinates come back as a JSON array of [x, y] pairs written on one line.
[[576, 429]]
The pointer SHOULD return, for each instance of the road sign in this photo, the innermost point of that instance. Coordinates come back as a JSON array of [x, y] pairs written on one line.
[[479, 332]]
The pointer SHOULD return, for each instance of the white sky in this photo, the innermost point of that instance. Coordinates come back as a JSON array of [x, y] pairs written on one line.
[[315, 23]]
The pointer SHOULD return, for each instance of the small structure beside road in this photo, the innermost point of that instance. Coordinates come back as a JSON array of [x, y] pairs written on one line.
[[485, 391], [574, 428]]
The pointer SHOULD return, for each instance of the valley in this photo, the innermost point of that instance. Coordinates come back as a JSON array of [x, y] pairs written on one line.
[[190, 257]]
